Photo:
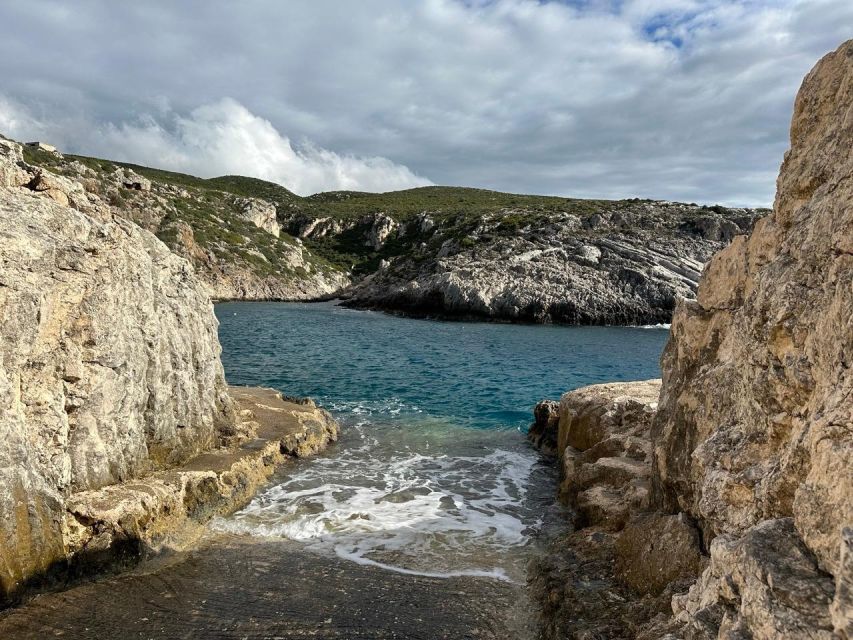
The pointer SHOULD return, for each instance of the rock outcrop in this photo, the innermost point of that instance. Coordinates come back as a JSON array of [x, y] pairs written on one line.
[[605, 451], [110, 367], [752, 441], [624, 266], [162, 507], [756, 416], [260, 213], [116, 424], [615, 572]]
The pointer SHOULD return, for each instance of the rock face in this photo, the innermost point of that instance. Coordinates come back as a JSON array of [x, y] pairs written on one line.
[[614, 574], [624, 267], [752, 440], [116, 426], [604, 450], [110, 367], [260, 213], [756, 416]]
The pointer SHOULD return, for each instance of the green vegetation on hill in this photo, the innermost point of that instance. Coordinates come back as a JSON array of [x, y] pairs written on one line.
[[465, 216], [439, 202], [252, 188]]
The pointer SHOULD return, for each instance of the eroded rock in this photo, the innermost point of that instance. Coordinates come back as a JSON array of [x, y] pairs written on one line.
[[110, 368], [546, 422], [763, 585], [260, 213], [756, 419]]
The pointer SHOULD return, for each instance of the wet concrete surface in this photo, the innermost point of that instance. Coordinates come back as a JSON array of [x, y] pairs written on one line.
[[231, 587]]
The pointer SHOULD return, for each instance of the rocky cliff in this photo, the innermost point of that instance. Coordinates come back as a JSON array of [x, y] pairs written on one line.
[[623, 262], [109, 372], [437, 251], [754, 435], [230, 235], [751, 445]]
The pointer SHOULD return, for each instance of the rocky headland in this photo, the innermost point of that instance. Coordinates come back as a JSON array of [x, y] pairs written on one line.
[[434, 251], [615, 263], [117, 428], [718, 502]]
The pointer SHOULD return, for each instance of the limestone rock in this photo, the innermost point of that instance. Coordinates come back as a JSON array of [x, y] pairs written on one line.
[[160, 508], [763, 585], [319, 228], [842, 605], [382, 226], [604, 451], [543, 431], [655, 550], [260, 213], [629, 269], [754, 434], [590, 415], [110, 367], [12, 172], [129, 179], [756, 417]]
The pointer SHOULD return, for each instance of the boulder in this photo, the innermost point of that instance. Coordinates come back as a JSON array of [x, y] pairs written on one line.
[[543, 431], [655, 550]]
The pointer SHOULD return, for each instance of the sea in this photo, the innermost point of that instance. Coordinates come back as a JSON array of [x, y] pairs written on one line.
[[433, 474]]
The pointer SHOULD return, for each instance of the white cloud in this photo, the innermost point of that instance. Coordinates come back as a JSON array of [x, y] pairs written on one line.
[[219, 139], [683, 99]]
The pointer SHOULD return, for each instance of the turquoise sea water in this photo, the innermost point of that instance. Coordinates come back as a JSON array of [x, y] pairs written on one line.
[[432, 474]]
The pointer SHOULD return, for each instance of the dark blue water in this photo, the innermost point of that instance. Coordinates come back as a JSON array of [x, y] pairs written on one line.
[[482, 374], [432, 474]]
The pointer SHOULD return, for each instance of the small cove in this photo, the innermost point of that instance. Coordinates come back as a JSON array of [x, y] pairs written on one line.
[[419, 523], [433, 475]]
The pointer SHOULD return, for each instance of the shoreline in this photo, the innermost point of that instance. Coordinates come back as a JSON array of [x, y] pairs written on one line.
[[438, 316], [117, 527]]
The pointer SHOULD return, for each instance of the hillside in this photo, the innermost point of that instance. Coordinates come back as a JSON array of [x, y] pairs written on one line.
[[438, 251]]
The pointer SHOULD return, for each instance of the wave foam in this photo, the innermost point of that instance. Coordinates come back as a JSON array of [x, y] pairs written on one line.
[[401, 508]]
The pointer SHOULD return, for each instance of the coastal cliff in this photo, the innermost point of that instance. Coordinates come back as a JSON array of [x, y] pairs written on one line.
[[110, 373], [617, 263], [724, 509], [433, 251]]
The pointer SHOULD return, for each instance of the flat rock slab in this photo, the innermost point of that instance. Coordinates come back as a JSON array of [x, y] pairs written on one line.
[[165, 509], [234, 588]]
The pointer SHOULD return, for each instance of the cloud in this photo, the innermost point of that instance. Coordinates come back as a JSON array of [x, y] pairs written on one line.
[[681, 99], [219, 139]]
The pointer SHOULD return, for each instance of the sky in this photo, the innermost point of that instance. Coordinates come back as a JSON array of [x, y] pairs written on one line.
[[685, 100]]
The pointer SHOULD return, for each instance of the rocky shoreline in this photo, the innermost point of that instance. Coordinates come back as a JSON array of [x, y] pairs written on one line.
[[624, 265], [118, 432], [718, 502]]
